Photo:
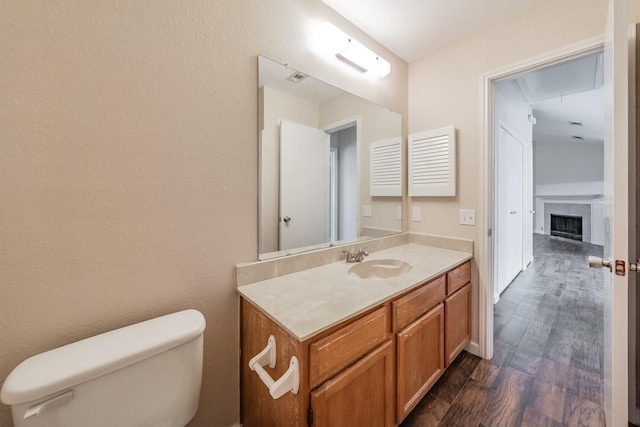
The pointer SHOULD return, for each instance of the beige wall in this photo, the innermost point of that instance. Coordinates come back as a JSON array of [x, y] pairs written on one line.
[[128, 159]]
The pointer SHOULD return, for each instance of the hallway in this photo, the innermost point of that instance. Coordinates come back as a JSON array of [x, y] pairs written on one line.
[[547, 368]]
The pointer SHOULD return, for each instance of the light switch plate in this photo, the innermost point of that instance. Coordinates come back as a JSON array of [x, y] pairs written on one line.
[[467, 216], [366, 210], [399, 213], [416, 212]]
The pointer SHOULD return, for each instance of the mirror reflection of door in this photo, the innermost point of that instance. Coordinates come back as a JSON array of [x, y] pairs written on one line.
[[304, 186], [318, 185]]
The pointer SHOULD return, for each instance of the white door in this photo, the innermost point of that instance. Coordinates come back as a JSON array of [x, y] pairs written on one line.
[[616, 215], [509, 220], [304, 186]]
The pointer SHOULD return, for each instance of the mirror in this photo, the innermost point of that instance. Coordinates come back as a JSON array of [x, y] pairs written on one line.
[[330, 164]]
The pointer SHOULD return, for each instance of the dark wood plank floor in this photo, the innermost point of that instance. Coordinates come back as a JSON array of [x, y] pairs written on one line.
[[547, 368]]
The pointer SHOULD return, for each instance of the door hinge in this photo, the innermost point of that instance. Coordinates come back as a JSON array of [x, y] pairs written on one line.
[[309, 416], [489, 232]]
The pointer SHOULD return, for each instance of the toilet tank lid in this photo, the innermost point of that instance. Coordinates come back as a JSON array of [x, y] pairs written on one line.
[[72, 364]]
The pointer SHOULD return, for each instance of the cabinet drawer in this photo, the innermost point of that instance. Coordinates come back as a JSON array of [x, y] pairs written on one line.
[[335, 352], [458, 277], [413, 305]]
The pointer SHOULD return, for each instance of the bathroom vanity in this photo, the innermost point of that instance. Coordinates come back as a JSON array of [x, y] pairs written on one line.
[[367, 350]]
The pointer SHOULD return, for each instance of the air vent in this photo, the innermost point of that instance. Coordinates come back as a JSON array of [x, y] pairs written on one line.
[[577, 137], [386, 167], [576, 124], [297, 77], [432, 163]]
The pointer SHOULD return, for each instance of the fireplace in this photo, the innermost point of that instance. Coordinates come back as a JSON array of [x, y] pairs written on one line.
[[567, 226]]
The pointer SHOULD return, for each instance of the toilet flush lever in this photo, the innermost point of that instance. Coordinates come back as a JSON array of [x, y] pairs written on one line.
[[54, 402]]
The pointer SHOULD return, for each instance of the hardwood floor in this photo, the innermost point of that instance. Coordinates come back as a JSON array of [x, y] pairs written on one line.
[[547, 368]]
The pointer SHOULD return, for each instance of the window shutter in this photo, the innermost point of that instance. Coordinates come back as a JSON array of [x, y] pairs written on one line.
[[386, 167], [432, 163]]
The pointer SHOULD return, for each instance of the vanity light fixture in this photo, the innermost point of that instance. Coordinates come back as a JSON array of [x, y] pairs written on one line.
[[355, 53]]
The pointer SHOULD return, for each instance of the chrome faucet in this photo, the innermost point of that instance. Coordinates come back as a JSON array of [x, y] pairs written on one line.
[[356, 256]]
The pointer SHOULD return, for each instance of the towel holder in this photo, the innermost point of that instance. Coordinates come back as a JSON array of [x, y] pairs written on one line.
[[289, 381]]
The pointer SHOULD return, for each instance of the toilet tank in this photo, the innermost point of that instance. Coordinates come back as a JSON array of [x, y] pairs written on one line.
[[146, 374]]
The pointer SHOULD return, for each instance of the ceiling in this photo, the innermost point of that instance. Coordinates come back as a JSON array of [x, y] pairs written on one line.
[[414, 29], [561, 96], [557, 118], [279, 77]]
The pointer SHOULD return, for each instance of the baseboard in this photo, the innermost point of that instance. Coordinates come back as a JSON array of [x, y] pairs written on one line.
[[473, 348]]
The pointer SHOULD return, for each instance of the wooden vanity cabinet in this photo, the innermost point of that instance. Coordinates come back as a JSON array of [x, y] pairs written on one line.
[[457, 309], [370, 370]]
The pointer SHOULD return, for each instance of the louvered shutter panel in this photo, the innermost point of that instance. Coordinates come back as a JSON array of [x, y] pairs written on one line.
[[432, 163], [386, 167]]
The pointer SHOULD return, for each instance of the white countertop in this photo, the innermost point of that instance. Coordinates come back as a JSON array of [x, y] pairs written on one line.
[[311, 301]]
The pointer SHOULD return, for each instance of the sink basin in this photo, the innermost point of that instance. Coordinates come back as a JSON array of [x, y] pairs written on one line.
[[380, 268]]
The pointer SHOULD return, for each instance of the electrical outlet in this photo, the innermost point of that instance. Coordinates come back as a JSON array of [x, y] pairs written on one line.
[[399, 213], [416, 213], [467, 216], [366, 210]]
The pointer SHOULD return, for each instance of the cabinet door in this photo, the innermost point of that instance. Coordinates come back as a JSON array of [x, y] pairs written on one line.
[[361, 395], [457, 309], [420, 359]]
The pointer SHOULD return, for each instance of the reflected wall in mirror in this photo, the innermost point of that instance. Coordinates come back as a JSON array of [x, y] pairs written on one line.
[[330, 164]]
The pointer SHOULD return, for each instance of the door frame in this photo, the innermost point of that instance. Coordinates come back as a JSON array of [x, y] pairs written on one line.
[[333, 127], [486, 168], [634, 160]]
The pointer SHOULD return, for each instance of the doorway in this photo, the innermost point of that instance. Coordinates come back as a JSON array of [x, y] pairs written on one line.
[[486, 239], [619, 148], [548, 171]]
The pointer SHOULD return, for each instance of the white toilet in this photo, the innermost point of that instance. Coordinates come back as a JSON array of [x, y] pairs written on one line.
[[147, 374]]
